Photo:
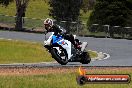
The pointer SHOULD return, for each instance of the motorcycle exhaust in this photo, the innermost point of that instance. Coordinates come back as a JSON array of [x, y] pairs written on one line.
[[84, 45]]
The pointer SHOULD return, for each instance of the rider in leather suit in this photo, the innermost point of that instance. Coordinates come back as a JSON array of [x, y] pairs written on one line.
[[51, 27]]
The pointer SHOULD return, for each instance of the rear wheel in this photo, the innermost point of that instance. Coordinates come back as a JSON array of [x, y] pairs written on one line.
[[85, 58], [61, 58]]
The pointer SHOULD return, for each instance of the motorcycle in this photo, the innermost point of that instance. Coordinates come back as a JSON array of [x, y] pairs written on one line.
[[63, 51]]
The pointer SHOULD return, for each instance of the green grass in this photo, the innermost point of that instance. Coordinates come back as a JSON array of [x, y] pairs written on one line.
[[93, 54], [36, 9], [60, 80], [25, 52], [85, 16], [21, 52], [33, 23], [10, 10]]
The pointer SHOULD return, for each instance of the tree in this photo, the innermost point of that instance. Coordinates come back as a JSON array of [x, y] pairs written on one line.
[[5, 2], [65, 10], [68, 10], [21, 6], [87, 5], [112, 12], [129, 5]]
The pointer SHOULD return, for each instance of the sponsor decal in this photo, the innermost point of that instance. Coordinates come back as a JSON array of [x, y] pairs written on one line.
[[84, 78]]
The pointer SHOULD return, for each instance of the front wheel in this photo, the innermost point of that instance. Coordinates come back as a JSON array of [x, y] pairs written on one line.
[[85, 58], [61, 58]]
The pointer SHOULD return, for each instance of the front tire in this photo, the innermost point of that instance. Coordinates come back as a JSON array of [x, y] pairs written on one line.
[[58, 58]]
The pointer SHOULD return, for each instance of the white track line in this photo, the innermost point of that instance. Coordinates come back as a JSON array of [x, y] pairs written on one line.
[[1, 38], [107, 56]]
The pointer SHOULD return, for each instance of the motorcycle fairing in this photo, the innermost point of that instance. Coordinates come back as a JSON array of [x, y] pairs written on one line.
[[64, 43], [55, 38]]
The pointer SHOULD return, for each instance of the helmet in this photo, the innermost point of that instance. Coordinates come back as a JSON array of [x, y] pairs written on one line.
[[48, 22]]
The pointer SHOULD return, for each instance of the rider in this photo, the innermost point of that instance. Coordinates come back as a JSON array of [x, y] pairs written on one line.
[[51, 27]]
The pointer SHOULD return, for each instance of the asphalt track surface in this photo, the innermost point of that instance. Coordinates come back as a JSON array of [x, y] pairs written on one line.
[[120, 50]]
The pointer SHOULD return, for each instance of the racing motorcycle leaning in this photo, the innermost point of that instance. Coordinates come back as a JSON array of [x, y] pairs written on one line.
[[63, 51]]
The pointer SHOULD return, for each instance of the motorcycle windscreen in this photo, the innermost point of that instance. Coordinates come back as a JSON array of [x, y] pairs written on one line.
[[48, 35]]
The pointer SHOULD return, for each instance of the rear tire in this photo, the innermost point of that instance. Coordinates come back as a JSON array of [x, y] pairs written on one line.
[[58, 58], [85, 58]]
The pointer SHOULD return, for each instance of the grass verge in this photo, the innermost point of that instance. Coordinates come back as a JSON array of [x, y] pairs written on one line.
[[25, 52], [60, 78], [93, 54], [22, 52]]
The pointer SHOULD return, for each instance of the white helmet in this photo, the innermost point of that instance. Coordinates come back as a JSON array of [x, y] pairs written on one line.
[[49, 22]]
